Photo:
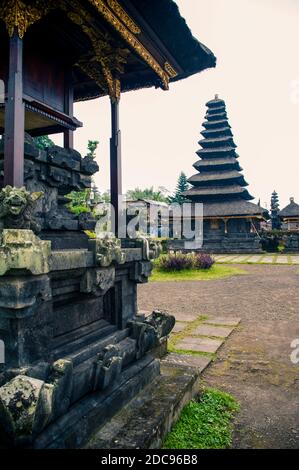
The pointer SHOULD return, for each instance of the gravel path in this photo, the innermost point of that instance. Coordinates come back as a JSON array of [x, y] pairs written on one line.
[[254, 363]]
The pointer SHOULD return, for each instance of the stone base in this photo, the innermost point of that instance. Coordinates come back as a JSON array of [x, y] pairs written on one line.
[[73, 429], [146, 420], [236, 245]]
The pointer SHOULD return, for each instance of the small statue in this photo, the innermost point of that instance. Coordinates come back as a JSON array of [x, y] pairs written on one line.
[[17, 207], [108, 250]]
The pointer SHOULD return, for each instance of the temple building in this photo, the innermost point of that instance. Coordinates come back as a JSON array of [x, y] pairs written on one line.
[[76, 350], [289, 216], [231, 221]]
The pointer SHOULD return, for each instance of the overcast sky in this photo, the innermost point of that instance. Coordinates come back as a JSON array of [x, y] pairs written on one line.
[[256, 43]]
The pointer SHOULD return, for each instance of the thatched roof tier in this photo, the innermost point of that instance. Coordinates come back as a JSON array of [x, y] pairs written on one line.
[[216, 117], [218, 152], [214, 103], [229, 163], [215, 124], [220, 109], [236, 208], [290, 211], [221, 131], [199, 194], [217, 178], [217, 142]]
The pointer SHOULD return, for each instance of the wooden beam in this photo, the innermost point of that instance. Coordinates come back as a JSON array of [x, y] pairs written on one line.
[[69, 110], [115, 162], [14, 116]]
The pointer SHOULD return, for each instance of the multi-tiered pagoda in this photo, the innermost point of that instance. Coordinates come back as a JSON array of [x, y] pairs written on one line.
[[231, 223]]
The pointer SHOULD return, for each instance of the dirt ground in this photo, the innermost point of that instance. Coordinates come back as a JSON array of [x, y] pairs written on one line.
[[254, 363]]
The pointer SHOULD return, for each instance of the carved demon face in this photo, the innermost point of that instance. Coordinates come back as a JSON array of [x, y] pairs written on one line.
[[14, 201]]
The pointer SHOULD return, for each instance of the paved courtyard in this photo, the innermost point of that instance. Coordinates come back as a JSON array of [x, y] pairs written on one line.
[[264, 258], [253, 363]]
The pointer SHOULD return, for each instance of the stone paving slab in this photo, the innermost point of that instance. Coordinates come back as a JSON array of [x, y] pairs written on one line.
[[266, 258], [209, 330], [179, 326], [187, 360], [282, 260], [200, 344], [229, 321], [186, 317]]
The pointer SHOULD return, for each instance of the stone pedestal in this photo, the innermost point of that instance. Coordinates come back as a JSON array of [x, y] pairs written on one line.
[[75, 349]]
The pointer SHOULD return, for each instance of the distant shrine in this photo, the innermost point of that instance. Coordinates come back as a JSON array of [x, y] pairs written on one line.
[[289, 216], [231, 222]]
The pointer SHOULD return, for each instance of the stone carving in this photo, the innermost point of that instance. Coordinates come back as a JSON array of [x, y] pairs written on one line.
[[108, 367], [23, 409], [107, 250], [58, 389], [141, 271], [56, 172], [98, 281], [151, 249], [148, 332], [162, 322], [22, 250], [17, 208]]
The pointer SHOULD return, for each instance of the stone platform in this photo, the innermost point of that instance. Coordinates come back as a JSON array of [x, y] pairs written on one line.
[[149, 417]]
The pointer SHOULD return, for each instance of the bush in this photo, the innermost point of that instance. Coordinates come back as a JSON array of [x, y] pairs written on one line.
[[77, 210], [203, 261], [175, 262]]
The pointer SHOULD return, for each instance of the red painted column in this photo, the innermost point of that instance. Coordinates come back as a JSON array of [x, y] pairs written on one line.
[[115, 162], [14, 116]]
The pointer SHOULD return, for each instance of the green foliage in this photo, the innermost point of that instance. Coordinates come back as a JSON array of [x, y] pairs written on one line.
[[43, 142], [90, 234], [77, 210], [217, 271], [79, 198], [148, 193], [92, 147], [182, 185], [205, 423]]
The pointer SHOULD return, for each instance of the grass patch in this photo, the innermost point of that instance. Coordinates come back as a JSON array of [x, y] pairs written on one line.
[[205, 423], [217, 271]]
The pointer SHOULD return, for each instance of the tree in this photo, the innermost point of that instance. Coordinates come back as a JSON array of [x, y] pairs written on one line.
[[92, 147], [148, 193], [182, 185], [43, 142]]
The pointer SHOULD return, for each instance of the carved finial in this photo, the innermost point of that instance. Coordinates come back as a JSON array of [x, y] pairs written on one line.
[[292, 200], [216, 97]]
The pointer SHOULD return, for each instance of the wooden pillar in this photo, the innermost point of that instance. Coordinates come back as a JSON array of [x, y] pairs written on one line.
[[69, 110], [115, 161], [14, 116]]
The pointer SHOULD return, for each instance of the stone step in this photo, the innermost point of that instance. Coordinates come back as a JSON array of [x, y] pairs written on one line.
[[146, 420]]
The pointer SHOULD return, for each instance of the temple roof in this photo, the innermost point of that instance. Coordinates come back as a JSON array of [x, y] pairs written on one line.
[[215, 124], [216, 192], [291, 210], [211, 164], [219, 176], [216, 150], [216, 177], [233, 208], [217, 142], [165, 35]]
